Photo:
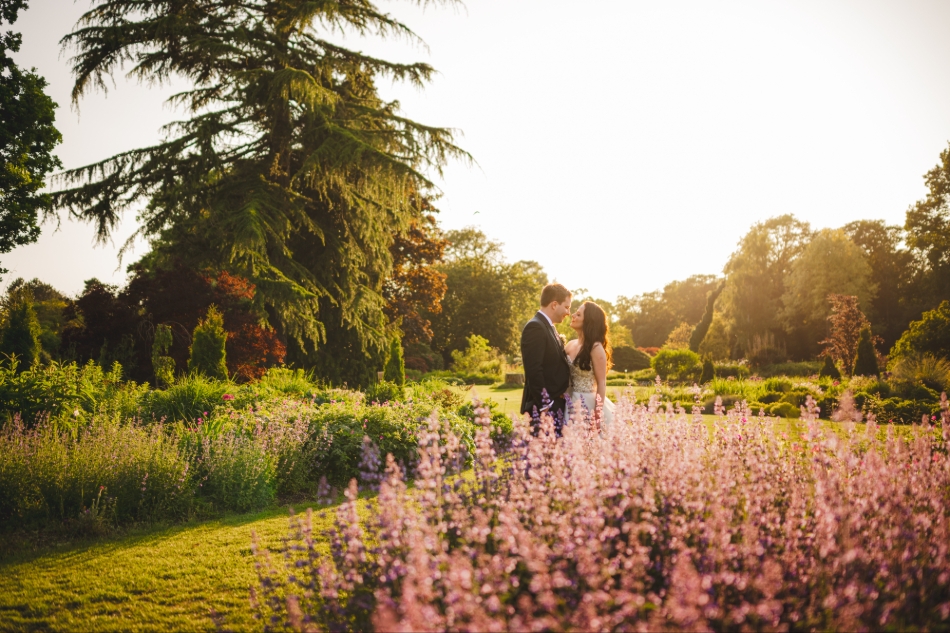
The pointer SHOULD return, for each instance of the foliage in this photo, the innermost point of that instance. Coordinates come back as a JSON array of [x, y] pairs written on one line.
[[846, 322], [922, 369], [485, 295], [162, 365], [709, 371], [20, 337], [415, 287], [189, 398], [395, 370], [865, 359], [702, 328], [384, 392], [717, 343], [421, 357], [207, 351], [695, 577], [930, 334], [927, 227], [802, 368], [894, 272], [651, 317], [765, 350], [66, 393], [50, 474], [829, 264], [828, 369], [626, 358], [752, 301], [478, 358], [48, 303], [107, 324], [679, 337], [735, 370], [676, 364], [237, 472], [27, 139], [291, 170]]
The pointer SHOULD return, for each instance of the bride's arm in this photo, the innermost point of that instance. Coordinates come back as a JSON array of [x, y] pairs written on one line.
[[598, 361]]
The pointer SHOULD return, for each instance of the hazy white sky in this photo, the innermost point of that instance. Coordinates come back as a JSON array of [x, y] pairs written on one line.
[[622, 144]]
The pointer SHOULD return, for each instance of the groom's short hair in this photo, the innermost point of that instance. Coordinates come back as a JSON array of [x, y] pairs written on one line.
[[554, 292]]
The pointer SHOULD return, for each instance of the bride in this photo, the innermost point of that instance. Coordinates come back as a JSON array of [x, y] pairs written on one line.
[[589, 354]]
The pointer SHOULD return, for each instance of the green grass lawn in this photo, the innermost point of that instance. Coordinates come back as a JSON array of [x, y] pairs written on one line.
[[164, 580], [509, 398]]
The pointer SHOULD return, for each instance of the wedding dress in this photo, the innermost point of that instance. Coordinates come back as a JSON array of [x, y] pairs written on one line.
[[583, 397]]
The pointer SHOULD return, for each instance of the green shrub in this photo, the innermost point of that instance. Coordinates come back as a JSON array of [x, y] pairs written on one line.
[[829, 370], [67, 393], [413, 375], [477, 359], [784, 409], [163, 366], [191, 397], [865, 360], [237, 472], [676, 364], [207, 354], [337, 431], [902, 411], [383, 392], [395, 370], [709, 372], [929, 335], [21, 333], [770, 397], [48, 474], [924, 369], [644, 374], [420, 357], [805, 368], [735, 370], [439, 392], [780, 384], [502, 426], [626, 358]]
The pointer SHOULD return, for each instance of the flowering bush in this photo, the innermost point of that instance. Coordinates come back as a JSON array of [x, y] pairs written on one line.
[[655, 523]]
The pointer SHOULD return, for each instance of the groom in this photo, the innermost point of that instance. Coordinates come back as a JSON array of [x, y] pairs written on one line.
[[546, 366]]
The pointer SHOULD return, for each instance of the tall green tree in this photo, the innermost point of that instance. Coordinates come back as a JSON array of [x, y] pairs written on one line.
[[652, 316], [21, 332], [395, 370], [829, 264], [928, 230], [27, 139], [290, 170], [485, 295], [894, 272], [755, 278]]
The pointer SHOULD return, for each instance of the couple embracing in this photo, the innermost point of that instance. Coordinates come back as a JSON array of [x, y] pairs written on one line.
[[566, 380]]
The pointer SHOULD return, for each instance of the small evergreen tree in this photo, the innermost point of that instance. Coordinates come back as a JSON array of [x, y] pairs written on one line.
[[21, 336], [865, 360], [207, 347], [163, 365], [828, 370], [699, 332], [395, 371], [708, 371]]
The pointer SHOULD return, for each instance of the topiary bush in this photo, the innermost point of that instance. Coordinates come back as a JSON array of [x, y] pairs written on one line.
[[784, 409], [829, 369], [865, 360], [676, 364], [627, 358], [207, 354], [708, 372], [395, 370]]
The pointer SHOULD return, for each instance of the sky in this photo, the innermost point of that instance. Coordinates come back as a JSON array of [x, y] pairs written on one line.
[[622, 144]]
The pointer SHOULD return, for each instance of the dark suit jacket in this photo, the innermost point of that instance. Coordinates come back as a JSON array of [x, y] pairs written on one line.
[[546, 366]]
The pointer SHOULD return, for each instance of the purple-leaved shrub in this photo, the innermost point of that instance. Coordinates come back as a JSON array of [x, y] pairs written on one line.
[[656, 523]]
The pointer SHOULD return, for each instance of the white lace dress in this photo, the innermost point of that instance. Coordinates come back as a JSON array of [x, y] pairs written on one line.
[[583, 397]]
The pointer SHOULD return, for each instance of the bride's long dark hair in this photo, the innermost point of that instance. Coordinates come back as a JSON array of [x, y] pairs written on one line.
[[595, 330]]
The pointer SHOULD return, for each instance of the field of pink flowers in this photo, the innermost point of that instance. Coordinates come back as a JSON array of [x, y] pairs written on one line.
[[656, 523]]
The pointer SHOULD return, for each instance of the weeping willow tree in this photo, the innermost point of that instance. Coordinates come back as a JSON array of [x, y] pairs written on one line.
[[289, 169]]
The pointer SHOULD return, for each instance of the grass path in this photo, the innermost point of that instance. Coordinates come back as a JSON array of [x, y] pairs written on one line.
[[167, 580]]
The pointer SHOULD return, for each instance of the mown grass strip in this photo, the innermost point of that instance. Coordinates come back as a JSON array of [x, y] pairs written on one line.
[[167, 580]]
